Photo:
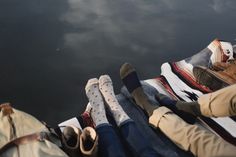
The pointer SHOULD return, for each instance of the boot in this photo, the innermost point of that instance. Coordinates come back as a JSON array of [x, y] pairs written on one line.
[[220, 66], [224, 74], [89, 142], [70, 141]]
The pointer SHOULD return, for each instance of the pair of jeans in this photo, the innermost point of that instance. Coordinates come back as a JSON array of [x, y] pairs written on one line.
[[111, 146]]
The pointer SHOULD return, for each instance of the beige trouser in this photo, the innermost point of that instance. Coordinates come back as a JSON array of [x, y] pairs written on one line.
[[201, 142], [219, 103]]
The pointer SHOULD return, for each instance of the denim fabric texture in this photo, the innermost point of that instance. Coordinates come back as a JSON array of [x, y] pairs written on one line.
[[159, 142], [111, 146], [109, 142], [138, 143]]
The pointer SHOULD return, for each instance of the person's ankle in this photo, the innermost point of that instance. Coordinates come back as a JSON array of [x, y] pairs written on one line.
[[166, 101], [139, 97]]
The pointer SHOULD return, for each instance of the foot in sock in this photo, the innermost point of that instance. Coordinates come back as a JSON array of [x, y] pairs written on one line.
[[106, 88], [189, 107], [132, 83], [98, 113]]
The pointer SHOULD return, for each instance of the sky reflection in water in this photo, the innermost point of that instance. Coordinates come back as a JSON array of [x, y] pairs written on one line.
[[49, 49]]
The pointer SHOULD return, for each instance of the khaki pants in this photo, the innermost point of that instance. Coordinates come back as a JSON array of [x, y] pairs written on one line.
[[220, 103], [201, 142]]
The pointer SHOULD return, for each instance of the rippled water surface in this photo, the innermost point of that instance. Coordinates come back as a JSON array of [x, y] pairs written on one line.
[[49, 49]]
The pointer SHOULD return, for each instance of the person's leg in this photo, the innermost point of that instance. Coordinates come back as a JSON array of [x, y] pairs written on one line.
[[132, 83], [199, 141], [216, 104], [108, 141], [188, 137], [189, 107], [106, 88], [219, 103], [138, 143]]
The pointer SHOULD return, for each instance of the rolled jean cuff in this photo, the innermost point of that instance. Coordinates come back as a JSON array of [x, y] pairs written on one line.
[[157, 114]]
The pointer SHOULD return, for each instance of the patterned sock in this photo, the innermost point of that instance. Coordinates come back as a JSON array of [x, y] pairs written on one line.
[[98, 112], [106, 88], [132, 83], [189, 107]]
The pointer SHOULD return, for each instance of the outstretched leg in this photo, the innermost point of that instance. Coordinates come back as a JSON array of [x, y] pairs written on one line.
[[108, 141], [188, 137], [199, 141], [139, 144], [132, 83], [219, 103]]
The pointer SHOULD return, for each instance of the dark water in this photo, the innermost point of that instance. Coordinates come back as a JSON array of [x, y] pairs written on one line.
[[49, 49]]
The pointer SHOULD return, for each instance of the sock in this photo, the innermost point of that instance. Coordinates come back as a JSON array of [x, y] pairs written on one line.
[[106, 88], [189, 107], [132, 83], [166, 101], [98, 112]]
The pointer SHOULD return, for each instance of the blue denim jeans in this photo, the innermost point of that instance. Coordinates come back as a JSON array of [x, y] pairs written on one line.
[[139, 145], [111, 146], [159, 142]]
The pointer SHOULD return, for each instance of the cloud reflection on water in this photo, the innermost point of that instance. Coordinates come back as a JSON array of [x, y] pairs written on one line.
[[49, 49]]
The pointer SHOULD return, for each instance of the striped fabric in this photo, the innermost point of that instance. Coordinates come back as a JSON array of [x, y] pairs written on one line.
[[177, 81]]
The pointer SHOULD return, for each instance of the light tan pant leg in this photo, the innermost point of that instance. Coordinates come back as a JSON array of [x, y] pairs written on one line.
[[199, 141], [220, 103]]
